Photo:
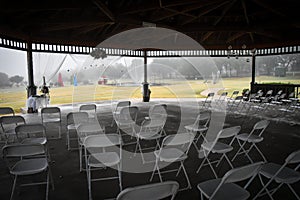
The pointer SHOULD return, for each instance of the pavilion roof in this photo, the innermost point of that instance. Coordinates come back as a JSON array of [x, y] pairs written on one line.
[[215, 24]]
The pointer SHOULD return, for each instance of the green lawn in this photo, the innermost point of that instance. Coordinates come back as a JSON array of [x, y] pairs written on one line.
[[16, 97]]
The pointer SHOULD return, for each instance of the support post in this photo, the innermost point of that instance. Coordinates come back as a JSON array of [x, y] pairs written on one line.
[[146, 91], [31, 89], [253, 70]]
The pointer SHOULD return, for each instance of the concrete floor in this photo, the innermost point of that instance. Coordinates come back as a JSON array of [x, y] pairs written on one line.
[[280, 139]]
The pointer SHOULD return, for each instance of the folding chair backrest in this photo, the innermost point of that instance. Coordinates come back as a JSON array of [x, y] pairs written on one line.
[[238, 98], [86, 107], [50, 112], [77, 118], [102, 141], [158, 111], [180, 140], [128, 113], [242, 173], [269, 93], [229, 132], [121, 104], [152, 191], [8, 122], [203, 119], [236, 92], [210, 95], [91, 109], [261, 124], [22, 150], [30, 130], [293, 157], [6, 111], [224, 94]]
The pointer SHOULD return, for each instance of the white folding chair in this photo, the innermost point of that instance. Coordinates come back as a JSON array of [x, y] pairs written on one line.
[[103, 151], [6, 111], [27, 163], [174, 148], [152, 131], [117, 109], [226, 187], [200, 126], [126, 122], [32, 134], [157, 115], [281, 174], [52, 115], [217, 147], [207, 102], [153, 191], [221, 100], [74, 119], [91, 109], [84, 130], [234, 94], [252, 138], [8, 125]]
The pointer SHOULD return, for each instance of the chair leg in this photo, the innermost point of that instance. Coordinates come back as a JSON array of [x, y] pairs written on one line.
[[80, 158], [89, 182], [186, 176], [262, 155], [13, 188], [47, 186], [264, 188], [294, 192], [120, 177]]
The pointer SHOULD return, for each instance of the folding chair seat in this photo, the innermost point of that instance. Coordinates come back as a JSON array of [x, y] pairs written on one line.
[[252, 138], [226, 187], [6, 111], [52, 115], [91, 110], [126, 122], [84, 130], [199, 127], [218, 147], [27, 164], [117, 109], [102, 151], [174, 149], [74, 119], [281, 174], [151, 191], [8, 125], [207, 102]]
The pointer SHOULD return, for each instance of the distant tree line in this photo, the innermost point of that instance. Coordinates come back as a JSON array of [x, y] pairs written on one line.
[[6, 81]]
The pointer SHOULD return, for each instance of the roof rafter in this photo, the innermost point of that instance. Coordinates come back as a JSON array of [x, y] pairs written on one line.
[[104, 9]]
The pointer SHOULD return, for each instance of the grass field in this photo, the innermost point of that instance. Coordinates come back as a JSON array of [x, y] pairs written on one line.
[[16, 97]]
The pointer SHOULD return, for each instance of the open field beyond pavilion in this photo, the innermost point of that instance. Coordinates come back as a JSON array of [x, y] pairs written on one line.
[[16, 97]]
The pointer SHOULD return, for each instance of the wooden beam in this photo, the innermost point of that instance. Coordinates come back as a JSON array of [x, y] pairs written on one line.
[[226, 9], [205, 11], [104, 9], [235, 36], [206, 36], [188, 8], [245, 11], [268, 7]]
